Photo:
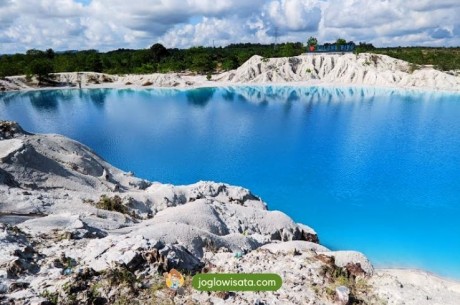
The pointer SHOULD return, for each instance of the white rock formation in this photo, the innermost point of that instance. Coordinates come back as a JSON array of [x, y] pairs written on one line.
[[348, 69]]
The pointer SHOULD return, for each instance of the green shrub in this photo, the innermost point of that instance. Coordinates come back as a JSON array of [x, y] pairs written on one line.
[[52, 297], [114, 203], [120, 276], [413, 67]]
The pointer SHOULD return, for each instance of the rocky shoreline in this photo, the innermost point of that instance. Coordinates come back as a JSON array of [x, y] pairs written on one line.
[[106, 237]]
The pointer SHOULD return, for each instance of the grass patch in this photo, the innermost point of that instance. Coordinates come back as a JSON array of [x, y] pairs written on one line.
[[52, 297], [443, 59], [413, 67], [114, 203], [120, 276]]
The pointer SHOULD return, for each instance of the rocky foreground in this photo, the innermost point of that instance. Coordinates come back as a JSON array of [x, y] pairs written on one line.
[[96, 235], [307, 70]]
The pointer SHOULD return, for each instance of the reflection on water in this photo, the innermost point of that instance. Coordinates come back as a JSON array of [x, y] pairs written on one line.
[[98, 96], [44, 101], [282, 94], [49, 100], [200, 97]]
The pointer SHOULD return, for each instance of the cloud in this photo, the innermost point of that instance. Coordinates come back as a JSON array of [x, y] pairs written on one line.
[[391, 22], [293, 15], [429, 5], [111, 24], [440, 33]]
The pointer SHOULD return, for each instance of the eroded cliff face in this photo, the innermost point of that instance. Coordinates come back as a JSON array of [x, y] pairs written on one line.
[[347, 69], [98, 235]]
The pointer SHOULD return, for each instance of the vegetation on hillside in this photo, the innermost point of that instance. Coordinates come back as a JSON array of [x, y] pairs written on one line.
[[155, 59], [444, 59], [203, 60]]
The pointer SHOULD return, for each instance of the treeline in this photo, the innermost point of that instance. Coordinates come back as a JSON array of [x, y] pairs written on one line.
[[441, 58], [155, 59], [202, 60]]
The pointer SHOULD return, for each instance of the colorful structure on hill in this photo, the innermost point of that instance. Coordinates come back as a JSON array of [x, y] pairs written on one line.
[[340, 45]]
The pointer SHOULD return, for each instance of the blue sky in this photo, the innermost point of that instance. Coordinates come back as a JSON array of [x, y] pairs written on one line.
[[84, 2], [111, 24]]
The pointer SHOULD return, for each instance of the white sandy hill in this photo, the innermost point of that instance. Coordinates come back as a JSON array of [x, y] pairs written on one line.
[[112, 250], [101, 80], [306, 70], [348, 69]]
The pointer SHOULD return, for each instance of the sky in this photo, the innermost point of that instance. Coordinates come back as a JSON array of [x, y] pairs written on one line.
[[111, 24]]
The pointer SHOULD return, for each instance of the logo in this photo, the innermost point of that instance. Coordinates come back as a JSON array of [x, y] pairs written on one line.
[[237, 282], [174, 279]]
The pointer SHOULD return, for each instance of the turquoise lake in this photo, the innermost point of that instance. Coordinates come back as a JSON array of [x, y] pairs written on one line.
[[373, 170]]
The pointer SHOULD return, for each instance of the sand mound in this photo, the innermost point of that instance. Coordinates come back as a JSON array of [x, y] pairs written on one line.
[[347, 69]]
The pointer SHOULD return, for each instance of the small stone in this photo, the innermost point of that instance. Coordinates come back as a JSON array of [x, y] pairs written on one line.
[[3, 288], [342, 295]]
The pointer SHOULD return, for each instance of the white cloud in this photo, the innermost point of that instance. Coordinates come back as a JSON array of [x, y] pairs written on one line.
[[295, 15], [110, 24]]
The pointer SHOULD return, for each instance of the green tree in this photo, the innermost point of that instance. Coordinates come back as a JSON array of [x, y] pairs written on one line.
[[158, 52], [288, 50], [230, 63], [312, 41], [202, 63], [35, 53], [340, 42], [41, 68], [364, 47], [50, 53], [94, 63]]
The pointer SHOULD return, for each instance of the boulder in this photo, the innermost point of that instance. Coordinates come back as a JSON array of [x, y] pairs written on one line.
[[352, 260], [342, 295]]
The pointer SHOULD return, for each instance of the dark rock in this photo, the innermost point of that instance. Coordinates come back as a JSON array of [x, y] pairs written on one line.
[[159, 261], [3, 288], [7, 179], [14, 269], [86, 274], [27, 253], [275, 236], [16, 286], [179, 257], [99, 301], [309, 237], [137, 261], [223, 295], [355, 269], [328, 260], [9, 130]]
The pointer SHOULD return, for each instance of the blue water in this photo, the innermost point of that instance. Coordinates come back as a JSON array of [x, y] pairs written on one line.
[[370, 169]]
